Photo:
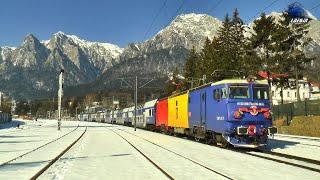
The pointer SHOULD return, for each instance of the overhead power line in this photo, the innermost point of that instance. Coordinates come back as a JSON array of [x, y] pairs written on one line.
[[271, 4], [315, 7], [177, 11], [214, 6], [154, 19]]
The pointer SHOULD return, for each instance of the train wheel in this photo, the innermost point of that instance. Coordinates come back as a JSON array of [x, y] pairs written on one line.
[[221, 141], [197, 139], [209, 139], [225, 144]]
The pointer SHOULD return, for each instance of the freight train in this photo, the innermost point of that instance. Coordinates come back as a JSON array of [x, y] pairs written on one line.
[[228, 112]]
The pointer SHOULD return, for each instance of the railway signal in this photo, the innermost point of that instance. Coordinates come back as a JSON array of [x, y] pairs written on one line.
[[60, 94]]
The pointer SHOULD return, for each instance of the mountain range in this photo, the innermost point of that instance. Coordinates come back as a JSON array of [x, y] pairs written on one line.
[[31, 70]]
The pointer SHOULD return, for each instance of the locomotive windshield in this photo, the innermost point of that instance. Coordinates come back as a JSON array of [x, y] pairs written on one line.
[[239, 92], [261, 92]]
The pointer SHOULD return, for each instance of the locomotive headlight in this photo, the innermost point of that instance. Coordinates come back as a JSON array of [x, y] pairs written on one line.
[[237, 114], [267, 115]]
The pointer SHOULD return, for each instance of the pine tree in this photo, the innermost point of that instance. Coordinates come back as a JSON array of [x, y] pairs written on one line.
[[174, 83], [299, 58], [239, 41], [290, 41], [262, 38], [204, 65], [190, 68], [231, 44], [224, 45]]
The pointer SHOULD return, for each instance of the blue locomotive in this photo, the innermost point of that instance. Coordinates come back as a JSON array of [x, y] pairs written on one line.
[[233, 112]]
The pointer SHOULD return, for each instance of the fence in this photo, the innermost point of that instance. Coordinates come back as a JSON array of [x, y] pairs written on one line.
[[5, 117], [303, 108]]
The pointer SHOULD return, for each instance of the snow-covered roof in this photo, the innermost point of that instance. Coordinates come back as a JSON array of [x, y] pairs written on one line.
[[150, 103], [131, 108]]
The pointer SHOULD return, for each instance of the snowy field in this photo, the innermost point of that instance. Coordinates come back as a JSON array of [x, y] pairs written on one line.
[[104, 152], [296, 145]]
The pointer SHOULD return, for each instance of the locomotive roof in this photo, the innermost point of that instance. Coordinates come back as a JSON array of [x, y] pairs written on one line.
[[225, 81], [239, 81]]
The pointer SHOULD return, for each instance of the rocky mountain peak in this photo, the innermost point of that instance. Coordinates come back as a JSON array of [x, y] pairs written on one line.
[[85, 61], [189, 30], [31, 42], [30, 38]]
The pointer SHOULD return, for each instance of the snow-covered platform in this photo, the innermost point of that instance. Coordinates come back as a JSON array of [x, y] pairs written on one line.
[[118, 152]]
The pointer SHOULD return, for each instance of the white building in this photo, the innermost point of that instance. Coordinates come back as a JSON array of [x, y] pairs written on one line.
[[315, 91], [290, 94]]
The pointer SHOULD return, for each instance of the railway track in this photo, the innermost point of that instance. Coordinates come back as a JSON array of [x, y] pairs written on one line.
[[145, 156], [37, 148], [302, 160], [299, 137], [285, 141], [178, 154], [57, 157]]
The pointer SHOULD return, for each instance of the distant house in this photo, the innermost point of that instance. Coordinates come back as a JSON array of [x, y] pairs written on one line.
[[290, 94], [315, 91]]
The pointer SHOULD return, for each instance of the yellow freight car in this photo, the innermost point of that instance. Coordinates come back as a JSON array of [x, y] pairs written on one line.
[[178, 112]]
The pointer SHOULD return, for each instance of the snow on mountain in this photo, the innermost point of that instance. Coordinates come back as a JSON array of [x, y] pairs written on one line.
[[31, 53], [165, 50], [183, 33], [85, 61], [6, 53], [188, 30], [114, 51], [100, 55], [34, 65]]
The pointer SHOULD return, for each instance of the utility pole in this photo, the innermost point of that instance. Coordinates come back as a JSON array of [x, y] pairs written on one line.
[[60, 94], [135, 87], [296, 71], [204, 78], [30, 106], [0, 100], [12, 106], [112, 110], [135, 103], [192, 83], [77, 113]]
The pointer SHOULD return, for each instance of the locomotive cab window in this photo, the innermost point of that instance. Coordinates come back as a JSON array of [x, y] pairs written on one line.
[[217, 94], [261, 92], [239, 92], [224, 93]]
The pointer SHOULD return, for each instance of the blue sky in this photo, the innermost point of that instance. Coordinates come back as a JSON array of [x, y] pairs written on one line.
[[115, 21]]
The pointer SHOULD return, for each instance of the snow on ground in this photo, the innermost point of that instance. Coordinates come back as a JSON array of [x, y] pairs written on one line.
[[234, 164], [102, 154], [296, 146], [31, 134], [24, 141]]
